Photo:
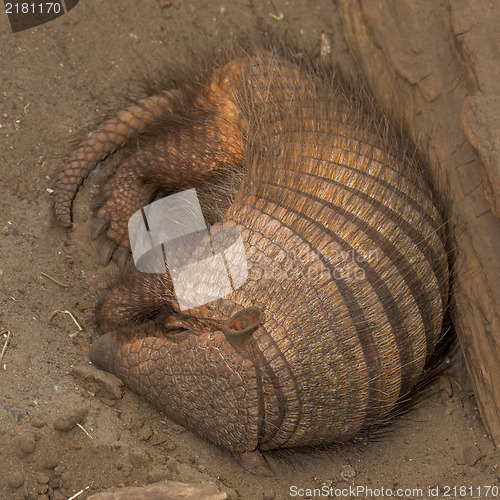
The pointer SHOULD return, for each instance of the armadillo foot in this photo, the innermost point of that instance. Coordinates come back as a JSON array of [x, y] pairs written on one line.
[[136, 298], [123, 194], [254, 462]]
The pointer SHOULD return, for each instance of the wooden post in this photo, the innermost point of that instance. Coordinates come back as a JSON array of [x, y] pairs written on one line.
[[433, 65]]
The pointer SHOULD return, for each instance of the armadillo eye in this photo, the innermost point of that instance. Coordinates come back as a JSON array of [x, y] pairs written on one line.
[[243, 322]]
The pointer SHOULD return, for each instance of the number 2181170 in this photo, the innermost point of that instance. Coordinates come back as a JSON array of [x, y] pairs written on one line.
[[33, 8], [470, 491]]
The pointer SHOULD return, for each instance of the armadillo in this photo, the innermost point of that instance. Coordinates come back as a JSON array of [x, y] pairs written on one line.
[[345, 248]]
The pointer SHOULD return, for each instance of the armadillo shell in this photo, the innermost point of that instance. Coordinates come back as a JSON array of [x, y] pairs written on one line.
[[345, 258]]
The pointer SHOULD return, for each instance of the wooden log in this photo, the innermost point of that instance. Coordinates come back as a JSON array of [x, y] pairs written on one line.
[[435, 66]]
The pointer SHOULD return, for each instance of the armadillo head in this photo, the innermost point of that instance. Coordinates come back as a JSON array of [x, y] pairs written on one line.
[[199, 370]]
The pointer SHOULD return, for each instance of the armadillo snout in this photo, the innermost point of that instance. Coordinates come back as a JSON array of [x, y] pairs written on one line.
[[102, 352]]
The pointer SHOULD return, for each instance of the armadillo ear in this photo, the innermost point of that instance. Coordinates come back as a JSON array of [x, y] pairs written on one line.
[[243, 323]]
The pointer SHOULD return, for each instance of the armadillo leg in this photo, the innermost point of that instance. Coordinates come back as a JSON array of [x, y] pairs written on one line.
[[112, 135], [123, 194], [200, 382], [171, 164], [138, 297]]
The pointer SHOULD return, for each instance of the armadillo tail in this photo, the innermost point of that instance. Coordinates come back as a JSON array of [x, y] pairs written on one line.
[[112, 135]]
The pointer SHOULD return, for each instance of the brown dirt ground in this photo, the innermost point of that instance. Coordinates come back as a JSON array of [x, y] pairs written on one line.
[[55, 79]]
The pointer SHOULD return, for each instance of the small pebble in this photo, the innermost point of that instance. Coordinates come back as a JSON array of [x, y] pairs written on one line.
[[159, 474], [42, 477], [50, 459], [42, 488], [172, 464], [17, 412], [16, 478], [68, 421], [27, 443], [127, 470], [37, 422], [55, 483], [145, 433], [138, 458], [268, 495], [472, 455], [348, 473], [1, 273]]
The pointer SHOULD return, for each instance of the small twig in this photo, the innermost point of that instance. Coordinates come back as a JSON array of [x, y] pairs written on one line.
[[453, 379], [57, 311], [77, 494], [54, 280], [84, 430], [4, 348]]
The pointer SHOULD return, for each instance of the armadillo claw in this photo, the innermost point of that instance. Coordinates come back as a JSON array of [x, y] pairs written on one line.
[[200, 382], [122, 195], [105, 252]]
